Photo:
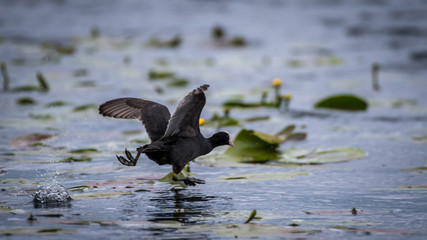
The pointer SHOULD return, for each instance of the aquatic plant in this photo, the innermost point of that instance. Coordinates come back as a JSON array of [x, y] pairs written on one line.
[[5, 76], [345, 102], [375, 82]]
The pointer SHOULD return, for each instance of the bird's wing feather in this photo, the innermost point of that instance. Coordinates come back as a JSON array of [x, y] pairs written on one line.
[[154, 116], [185, 121]]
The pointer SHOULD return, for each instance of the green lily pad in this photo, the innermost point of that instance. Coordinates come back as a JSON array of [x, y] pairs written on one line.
[[254, 146], [255, 119], [267, 176], [85, 107], [26, 88], [183, 174], [422, 139], [424, 168], [56, 104], [25, 101], [248, 230], [304, 156], [345, 102], [178, 82], [287, 130], [84, 150], [156, 75]]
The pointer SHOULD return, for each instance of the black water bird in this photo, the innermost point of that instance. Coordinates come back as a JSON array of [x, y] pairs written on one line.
[[175, 139]]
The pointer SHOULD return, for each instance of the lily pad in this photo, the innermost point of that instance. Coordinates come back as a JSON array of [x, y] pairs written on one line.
[[304, 156], [183, 174], [84, 150], [25, 101], [178, 82], [76, 159], [156, 75], [34, 231], [85, 107], [250, 145], [56, 104], [345, 102], [248, 230], [267, 176]]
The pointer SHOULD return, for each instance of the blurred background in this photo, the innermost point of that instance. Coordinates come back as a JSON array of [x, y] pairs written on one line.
[[269, 64]]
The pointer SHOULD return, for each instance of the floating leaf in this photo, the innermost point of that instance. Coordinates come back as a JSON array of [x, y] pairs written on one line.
[[253, 146], [247, 230], [343, 102], [56, 104], [255, 119], [41, 116], [80, 188], [287, 130], [416, 169], [59, 48], [168, 177], [172, 43], [178, 82], [84, 150], [88, 83], [25, 101], [76, 159], [298, 136], [155, 75], [131, 132], [85, 107], [34, 231], [422, 139], [80, 72], [267, 176], [26, 88], [303, 156], [238, 41]]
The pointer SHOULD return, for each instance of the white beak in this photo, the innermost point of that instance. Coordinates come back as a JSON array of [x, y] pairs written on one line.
[[230, 143]]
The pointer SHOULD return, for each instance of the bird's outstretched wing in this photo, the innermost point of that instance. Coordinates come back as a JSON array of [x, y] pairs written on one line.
[[154, 116], [185, 121]]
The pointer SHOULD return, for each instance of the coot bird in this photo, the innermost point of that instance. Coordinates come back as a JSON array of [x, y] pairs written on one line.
[[175, 140]]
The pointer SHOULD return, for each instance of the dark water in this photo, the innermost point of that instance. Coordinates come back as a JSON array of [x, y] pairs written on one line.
[[317, 48]]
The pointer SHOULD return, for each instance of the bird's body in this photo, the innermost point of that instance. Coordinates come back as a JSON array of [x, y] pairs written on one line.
[[176, 139]]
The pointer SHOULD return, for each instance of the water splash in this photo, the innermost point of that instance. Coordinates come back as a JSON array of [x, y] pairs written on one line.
[[52, 193]]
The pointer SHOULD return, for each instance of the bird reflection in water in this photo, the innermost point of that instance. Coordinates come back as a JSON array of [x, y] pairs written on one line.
[[182, 205]]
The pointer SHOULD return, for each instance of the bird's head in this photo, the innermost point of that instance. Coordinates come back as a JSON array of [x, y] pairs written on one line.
[[221, 138]]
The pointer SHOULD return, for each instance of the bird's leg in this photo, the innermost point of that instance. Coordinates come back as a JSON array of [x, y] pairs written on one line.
[[188, 181], [131, 161]]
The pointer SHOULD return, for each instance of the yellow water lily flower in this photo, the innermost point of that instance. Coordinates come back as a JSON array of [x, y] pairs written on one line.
[[277, 82]]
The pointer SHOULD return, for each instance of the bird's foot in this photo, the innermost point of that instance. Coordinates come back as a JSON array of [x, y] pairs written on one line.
[[131, 161], [193, 181], [189, 181]]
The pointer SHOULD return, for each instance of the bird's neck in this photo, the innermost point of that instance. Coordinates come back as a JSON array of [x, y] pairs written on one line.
[[214, 142]]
